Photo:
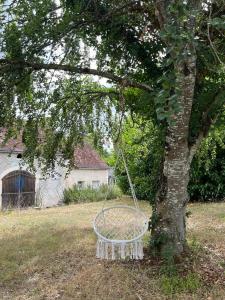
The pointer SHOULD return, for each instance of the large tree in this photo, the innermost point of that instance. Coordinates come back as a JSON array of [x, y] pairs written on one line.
[[164, 60]]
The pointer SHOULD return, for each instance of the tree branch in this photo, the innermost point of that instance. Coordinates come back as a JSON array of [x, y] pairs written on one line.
[[207, 122], [21, 64], [195, 146], [215, 52], [206, 119], [161, 11]]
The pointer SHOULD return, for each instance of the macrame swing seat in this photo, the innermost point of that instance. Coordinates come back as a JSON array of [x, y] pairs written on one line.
[[120, 229]]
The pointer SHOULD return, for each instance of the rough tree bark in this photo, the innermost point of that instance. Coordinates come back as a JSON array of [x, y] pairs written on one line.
[[169, 228], [168, 221]]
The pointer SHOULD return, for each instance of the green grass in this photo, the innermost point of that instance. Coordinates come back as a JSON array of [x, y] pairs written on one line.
[[177, 284], [50, 254]]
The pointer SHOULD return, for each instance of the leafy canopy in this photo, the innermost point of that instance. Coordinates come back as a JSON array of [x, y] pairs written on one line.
[[45, 68]]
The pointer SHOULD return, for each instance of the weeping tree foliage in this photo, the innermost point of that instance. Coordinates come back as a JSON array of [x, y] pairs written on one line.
[[142, 144], [163, 60]]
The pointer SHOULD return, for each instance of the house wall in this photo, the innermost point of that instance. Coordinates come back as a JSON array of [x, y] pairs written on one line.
[[86, 176], [48, 191]]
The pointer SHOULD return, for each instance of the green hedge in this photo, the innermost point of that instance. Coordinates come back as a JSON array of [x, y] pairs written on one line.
[[143, 153], [207, 176], [88, 194]]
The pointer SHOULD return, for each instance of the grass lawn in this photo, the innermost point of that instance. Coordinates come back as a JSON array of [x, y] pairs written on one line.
[[50, 254]]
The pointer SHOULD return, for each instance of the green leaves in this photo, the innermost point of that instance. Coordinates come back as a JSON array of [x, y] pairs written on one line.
[[124, 39], [208, 167], [142, 144], [167, 104], [13, 46], [218, 22]]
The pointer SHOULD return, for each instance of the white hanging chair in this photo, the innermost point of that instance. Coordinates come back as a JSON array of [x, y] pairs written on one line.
[[120, 229]]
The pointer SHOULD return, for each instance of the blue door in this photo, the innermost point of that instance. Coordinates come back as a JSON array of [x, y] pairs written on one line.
[[18, 190]]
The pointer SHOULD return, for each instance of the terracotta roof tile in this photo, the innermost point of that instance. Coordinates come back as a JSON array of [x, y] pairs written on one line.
[[85, 156], [12, 145]]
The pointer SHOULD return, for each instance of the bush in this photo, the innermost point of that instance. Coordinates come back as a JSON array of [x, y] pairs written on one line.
[[207, 177], [144, 152], [88, 194]]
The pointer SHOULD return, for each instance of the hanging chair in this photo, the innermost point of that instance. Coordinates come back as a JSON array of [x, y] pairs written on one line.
[[120, 229]]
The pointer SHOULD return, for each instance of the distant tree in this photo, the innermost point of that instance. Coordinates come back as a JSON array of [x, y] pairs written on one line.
[[142, 144], [164, 59], [143, 151], [207, 177]]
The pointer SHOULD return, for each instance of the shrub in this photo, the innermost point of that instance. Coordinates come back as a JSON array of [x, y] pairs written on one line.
[[207, 178], [144, 152], [88, 194]]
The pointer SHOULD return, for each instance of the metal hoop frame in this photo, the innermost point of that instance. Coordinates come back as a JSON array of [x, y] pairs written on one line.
[[145, 228]]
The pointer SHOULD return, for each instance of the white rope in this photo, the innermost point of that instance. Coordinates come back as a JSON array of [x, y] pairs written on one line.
[[107, 193], [120, 153], [130, 182], [106, 250], [120, 228]]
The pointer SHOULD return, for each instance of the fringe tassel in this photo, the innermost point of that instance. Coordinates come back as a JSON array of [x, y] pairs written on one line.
[[107, 250], [113, 252], [98, 249]]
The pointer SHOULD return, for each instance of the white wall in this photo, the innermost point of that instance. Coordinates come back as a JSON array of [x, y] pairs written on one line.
[[87, 176], [48, 191]]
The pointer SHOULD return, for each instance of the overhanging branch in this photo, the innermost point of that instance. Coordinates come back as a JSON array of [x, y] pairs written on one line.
[[207, 121], [21, 64]]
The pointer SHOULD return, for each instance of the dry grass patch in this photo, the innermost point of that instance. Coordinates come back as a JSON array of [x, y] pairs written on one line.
[[50, 254], [207, 226]]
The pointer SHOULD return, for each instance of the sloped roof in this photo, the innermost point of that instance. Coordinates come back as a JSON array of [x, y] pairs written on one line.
[[12, 145], [85, 156]]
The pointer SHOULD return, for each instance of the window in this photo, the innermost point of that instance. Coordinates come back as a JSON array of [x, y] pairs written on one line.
[[95, 184], [80, 184]]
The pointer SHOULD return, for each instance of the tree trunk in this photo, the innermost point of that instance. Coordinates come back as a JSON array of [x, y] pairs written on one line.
[[168, 221], [168, 228]]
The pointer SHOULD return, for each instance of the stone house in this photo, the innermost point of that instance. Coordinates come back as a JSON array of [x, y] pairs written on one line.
[[20, 188]]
